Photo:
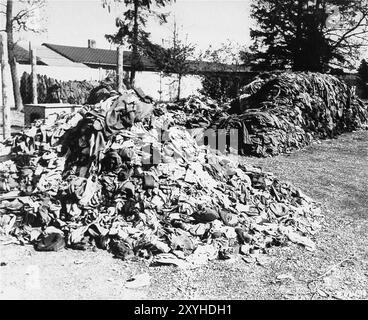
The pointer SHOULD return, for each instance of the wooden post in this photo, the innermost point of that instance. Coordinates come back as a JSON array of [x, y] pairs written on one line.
[[100, 74], [120, 69], [4, 90], [33, 60], [160, 91]]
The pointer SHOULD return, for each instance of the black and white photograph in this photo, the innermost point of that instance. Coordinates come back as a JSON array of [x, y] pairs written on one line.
[[203, 152]]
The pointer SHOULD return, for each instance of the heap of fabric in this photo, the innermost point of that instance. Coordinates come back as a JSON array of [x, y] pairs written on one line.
[[287, 111], [91, 180], [193, 111], [54, 91]]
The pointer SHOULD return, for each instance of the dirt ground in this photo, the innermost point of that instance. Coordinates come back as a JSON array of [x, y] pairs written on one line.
[[334, 172]]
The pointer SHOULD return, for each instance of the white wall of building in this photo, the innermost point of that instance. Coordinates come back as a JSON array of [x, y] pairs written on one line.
[[152, 83], [165, 87], [64, 73]]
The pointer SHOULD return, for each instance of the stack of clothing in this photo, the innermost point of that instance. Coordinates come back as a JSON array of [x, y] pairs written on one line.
[[50, 90], [143, 188], [287, 111], [193, 111]]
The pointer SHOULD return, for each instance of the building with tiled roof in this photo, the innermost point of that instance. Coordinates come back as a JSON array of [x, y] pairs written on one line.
[[97, 58], [90, 63], [54, 54]]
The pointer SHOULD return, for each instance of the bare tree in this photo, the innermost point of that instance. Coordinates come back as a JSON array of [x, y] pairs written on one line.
[[21, 18], [174, 58], [4, 95]]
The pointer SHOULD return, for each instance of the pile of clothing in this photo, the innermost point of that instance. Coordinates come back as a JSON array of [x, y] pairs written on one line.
[[50, 90], [285, 112], [137, 186], [193, 111]]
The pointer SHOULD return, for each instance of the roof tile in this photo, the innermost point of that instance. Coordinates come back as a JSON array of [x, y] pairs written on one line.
[[102, 57]]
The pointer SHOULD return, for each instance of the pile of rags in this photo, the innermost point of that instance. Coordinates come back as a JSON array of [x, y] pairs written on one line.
[[91, 180], [50, 90], [286, 111], [193, 111]]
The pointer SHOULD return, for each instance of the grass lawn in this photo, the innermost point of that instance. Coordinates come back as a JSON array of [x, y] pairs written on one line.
[[333, 172]]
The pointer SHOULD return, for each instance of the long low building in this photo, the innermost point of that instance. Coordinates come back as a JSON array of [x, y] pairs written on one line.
[[90, 63]]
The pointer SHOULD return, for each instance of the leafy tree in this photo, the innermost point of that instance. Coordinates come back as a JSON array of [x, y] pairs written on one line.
[[223, 78], [363, 77], [21, 17], [363, 71], [309, 35], [132, 27]]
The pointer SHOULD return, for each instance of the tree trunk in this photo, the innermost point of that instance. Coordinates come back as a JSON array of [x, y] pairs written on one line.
[[33, 59], [4, 102], [298, 54], [134, 59], [179, 86], [11, 55], [120, 69]]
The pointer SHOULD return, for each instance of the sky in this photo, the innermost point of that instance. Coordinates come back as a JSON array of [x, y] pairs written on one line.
[[202, 22]]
